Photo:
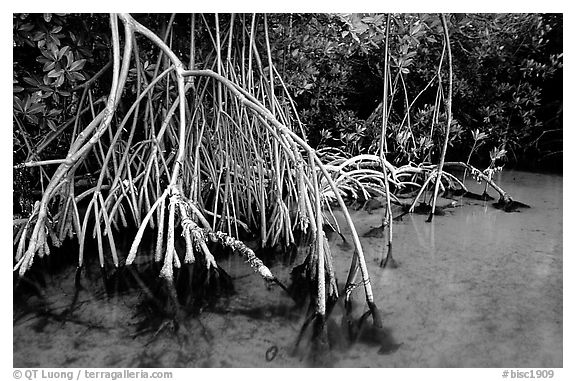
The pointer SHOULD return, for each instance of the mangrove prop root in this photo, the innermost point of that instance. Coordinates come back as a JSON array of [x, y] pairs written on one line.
[[356, 329], [105, 283], [388, 261], [350, 281], [277, 281], [248, 254], [448, 117], [510, 206], [289, 143], [198, 239], [77, 279], [479, 175], [318, 323], [178, 167], [301, 333], [376, 317], [431, 173]]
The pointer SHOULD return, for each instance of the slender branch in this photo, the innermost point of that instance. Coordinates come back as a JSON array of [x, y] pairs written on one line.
[[39, 163], [383, 143], [94, 77], [60, 129], [449, 117]]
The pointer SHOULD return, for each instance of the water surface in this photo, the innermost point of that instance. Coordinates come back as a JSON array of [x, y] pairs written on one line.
[[475, 288]]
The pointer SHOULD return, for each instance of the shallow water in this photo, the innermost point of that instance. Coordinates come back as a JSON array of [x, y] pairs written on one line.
[[475, 288]]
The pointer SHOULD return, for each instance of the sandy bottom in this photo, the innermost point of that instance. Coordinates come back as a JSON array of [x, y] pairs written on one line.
[[475, 288]]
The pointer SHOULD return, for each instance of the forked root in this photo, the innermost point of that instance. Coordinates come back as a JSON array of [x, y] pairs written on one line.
[[388, 261]]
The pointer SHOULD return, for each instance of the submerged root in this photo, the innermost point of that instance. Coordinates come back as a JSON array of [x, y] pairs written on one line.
[[300, 286], [373, 335], [304, 283], [376, 317], [322, 337], [359, 331], [510, 205], [320, 334], [117, 280], [313, 343], [388, 261]]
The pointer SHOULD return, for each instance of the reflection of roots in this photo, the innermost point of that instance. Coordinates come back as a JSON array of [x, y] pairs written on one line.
[[168, 305]]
